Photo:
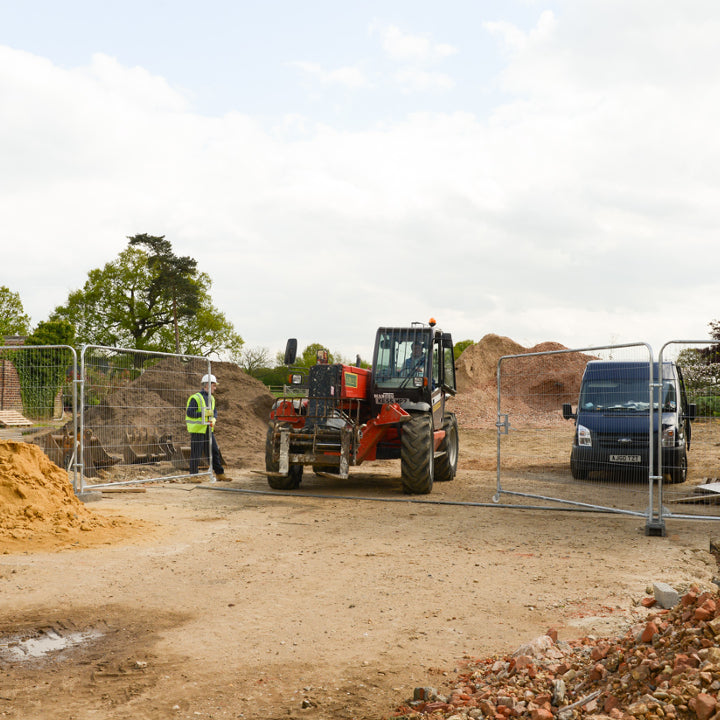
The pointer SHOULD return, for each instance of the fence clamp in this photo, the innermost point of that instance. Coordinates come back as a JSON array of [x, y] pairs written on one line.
[[504, 424]]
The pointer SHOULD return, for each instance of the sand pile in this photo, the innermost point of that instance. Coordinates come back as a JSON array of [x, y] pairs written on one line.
[[38, 507], [533, 388]]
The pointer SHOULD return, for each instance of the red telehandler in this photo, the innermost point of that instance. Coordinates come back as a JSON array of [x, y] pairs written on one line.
[[346, 415]]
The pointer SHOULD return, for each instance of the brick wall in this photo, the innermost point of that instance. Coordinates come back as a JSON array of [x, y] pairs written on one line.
[[10, 398]]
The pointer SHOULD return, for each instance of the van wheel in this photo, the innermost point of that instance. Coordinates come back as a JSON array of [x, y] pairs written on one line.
[[678, 473], [578, 472]]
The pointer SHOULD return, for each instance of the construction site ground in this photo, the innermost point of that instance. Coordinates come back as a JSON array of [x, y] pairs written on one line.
[[213, 601]]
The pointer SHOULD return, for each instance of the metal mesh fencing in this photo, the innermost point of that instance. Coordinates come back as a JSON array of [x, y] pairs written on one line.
[[132, 415], [697, 496], [552, 446], [38, 400]]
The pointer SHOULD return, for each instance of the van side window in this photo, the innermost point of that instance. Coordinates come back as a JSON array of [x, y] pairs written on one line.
[[669, 396]]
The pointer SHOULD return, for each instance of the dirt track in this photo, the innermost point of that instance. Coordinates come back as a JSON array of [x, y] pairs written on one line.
[[222, 604]]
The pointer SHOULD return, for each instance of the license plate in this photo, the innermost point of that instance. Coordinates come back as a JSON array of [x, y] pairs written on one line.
[[626, 458]]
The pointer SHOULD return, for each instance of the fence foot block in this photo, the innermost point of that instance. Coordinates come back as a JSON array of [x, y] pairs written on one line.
[[655, 528], [89, 496]]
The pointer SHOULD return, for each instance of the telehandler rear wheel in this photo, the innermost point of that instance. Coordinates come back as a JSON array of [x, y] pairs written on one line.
[[270, 464], [416, 455], [446, 465], [292, 480]]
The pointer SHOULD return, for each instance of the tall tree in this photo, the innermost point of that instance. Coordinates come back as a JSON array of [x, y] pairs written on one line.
[[127, 304], [173, 276], [13, 320], [711, 354]]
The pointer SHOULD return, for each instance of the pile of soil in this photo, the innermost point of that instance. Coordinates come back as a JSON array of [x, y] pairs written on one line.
[[667, 667], [38, 504], [156, 401], [533, 389]]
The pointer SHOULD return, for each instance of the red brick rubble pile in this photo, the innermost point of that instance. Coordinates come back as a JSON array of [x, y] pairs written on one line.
[[668, 667]]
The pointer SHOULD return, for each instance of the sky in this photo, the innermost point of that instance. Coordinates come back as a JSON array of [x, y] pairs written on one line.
[[542, 170]]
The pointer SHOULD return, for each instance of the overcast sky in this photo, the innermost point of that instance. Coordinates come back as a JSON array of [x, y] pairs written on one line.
[[544, 170]]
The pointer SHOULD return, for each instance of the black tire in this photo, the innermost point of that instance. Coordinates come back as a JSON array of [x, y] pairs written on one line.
[[292, 480], [578, 472], [416, 455], [678, 473], [270, 464], [446, 465]]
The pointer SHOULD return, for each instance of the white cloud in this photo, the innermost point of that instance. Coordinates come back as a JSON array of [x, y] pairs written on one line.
[[404, 47], [350, 77], [415, 80], [583, 210]]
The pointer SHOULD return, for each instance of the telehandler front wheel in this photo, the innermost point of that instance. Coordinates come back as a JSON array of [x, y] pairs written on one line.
[[416, 455]]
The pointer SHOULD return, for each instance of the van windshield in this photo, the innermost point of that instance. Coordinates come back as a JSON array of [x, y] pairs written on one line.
[[620, 395]]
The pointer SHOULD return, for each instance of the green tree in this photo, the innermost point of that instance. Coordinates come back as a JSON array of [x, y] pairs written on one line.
[[254, 360], [52, 332], [13, 320], [172, 277], [461, 346], [711, 354], [309, 356], [127, 303], [701, 371]]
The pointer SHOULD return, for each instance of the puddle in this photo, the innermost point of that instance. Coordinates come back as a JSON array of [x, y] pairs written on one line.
[[43, 643]]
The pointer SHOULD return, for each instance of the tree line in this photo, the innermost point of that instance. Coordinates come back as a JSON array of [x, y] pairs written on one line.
[[148, 298]]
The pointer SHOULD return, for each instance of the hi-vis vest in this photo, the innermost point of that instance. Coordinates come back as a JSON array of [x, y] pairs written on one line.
[[196, 425]]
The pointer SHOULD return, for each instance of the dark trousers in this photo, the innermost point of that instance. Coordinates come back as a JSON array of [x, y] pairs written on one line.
[[198, 451]]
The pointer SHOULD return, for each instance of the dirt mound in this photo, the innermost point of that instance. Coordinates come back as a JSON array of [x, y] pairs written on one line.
[[38, 505], [157, 400], [533, 388]]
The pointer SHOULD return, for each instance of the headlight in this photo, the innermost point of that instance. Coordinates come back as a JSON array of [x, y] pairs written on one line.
[[668, 437], [584, 437]]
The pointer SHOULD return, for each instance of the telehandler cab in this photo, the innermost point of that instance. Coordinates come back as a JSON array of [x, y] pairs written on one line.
[[346, 415]]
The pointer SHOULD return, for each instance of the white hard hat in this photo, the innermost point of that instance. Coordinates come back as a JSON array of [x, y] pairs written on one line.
[[208, 378]]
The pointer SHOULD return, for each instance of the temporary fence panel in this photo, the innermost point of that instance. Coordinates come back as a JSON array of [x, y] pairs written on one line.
[[132, 418], [540, 415], [697, 496], [39, 400]]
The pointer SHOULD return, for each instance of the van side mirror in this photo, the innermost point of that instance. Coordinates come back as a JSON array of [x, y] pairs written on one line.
[[567, 412], [290, 351], [691, 411]]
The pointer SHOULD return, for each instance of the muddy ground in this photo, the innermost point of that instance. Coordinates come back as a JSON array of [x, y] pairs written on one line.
[[231, 601]]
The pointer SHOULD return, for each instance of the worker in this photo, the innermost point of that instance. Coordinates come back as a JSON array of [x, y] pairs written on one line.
[[200, 420], [416, 361]]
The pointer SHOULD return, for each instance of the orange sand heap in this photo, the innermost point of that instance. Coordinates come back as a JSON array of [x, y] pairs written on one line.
[[38, 508]]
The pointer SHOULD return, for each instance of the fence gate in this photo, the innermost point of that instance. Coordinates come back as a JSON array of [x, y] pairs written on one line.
[[535, 441], [38, 400], [132, 415], [698, 498]]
